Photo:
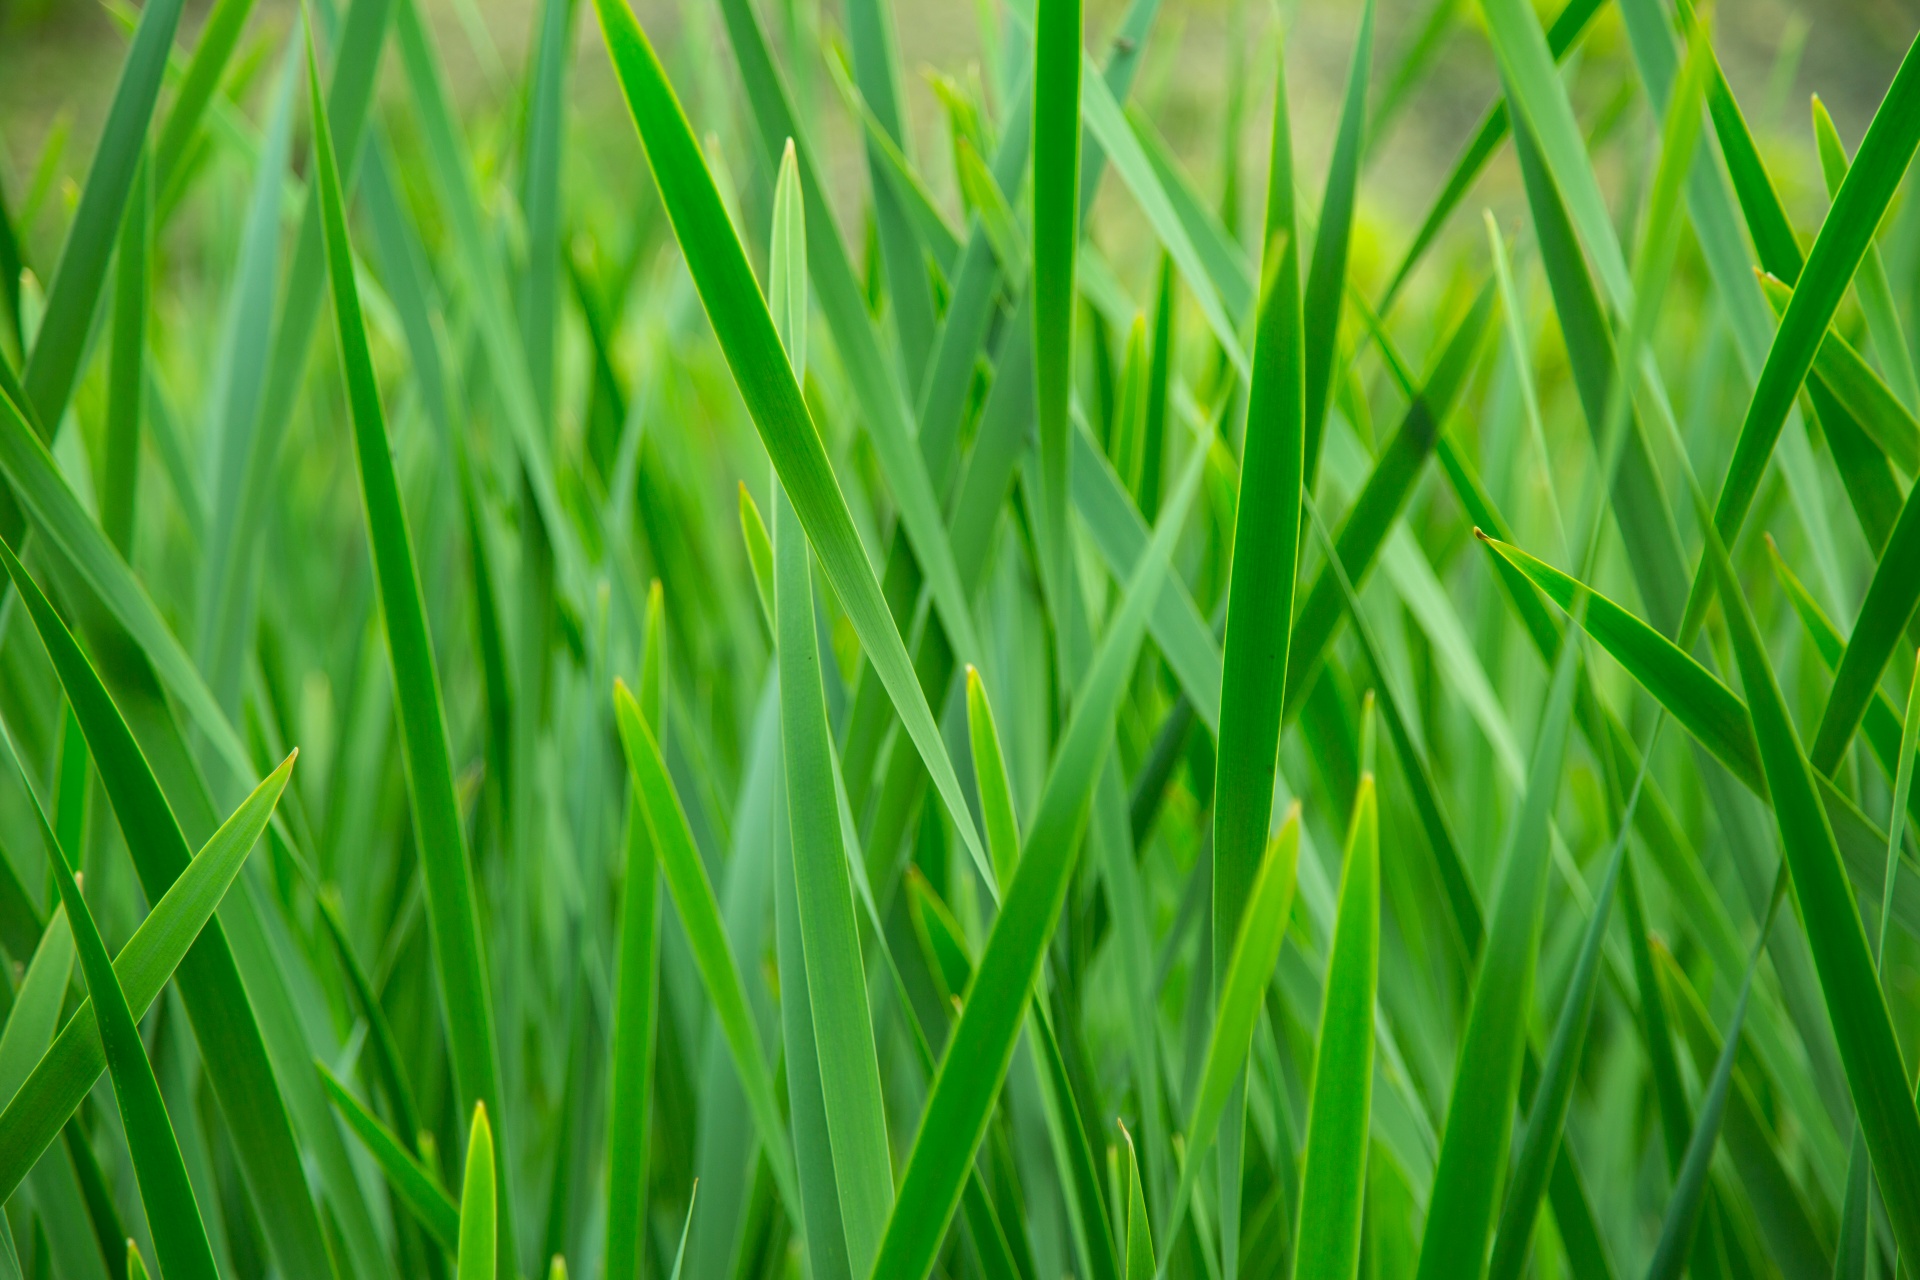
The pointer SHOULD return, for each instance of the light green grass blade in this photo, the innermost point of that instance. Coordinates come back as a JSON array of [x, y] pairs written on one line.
[[35, 1015], [61, 1078], [1334, 1176], [126, 364], [1863, 198], [1327, 273], [218, 37], [411, 1181], [73, 293], [1139, 1230], [477, 1238], [179, 1234], [1474, 1146], [1256, 948], [636, 1008], [1056, 241], [753, 531], [686, 878], [1855, 1005], [680, 1254], [765, 379], [981, 1046], [999, 817], [452, 912], [1902, 794], [136, 1269], [1870, 283]]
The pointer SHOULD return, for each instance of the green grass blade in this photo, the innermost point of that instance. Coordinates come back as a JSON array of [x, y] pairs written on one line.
[[477, 1210], [997, 810], [1139, 1230], [630, 1084], [126, 365], [218, 37], [1902, 795], [766, 381], [179, 1234], [1266, 547], [1884, 615], [753, 531], [1876, 295], [836, 982], [1334, 1175], [1854, 383], [53, 365], [1863, 198], [452, 911], [1857, 1008], [35, 1015], [981, 1046], [686, 878], [61, 1078], [1327, 273], [1056, 240], [411, 1181], [1474, 1145]]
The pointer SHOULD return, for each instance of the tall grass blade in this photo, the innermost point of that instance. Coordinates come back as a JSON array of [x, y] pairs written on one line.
[[411, 1181], [477, 1205], [1056, 240]]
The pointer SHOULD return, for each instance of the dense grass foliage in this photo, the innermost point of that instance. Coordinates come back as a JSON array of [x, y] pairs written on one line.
[[687, 673]]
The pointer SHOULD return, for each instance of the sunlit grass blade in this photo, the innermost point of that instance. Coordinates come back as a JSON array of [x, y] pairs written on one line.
[[179, 1234], [981, 1045], [1884, 154], [1474, 1143], [636, 997], [60, 344], [765, 378], [452, 911], [686, 877], [1334, 1176], [477, 1207], [1327, 273], [411, 1181]]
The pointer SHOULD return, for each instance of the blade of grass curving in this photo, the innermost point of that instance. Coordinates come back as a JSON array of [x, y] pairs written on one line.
[[119, 485], [414, 1184], [1884, 154], [1327, 272], [1334, 1174], [1570, 24], [478, 1241], [1056, 240], [179, 1234], [60, 343], [1474, 1145], [216, 999], [1870, 282], [452, 914], [1842, 959], [765, 379], [630, 1083], [686, 877], [54, 1087], [1889, 605], [981, 1046]]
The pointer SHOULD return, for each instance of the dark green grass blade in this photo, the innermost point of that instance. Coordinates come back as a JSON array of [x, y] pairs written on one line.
[[126, 365], [411, 1181], [1884, 154], [58, 348], [1333, 1176], [1853, 382], [452, 912], [766, 381], [179, 1235], [62, 1077], [1327, 273], [1861, 1023], [1474, 1144], [216, 999], [1056, 238], [981, 1045], [1266, 545]]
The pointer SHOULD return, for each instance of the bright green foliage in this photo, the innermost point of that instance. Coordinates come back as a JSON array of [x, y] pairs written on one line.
[[891, 667]]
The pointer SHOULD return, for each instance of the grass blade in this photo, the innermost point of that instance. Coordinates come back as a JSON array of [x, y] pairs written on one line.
[[477, 1216], [1884, 614], [125, 382], [415, 1185], [1334, 1177], [1056, 240]]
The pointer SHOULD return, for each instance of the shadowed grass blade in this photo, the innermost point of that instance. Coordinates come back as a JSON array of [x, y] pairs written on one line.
[[1333, 1177], [179, 1235], [1056, 240]]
